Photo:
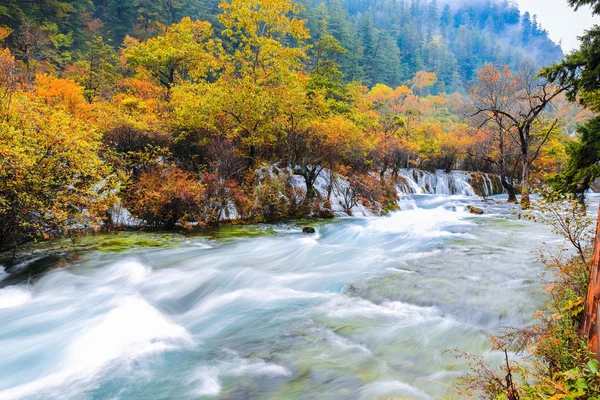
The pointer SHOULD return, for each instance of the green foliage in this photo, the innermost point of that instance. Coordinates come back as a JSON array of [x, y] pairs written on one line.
[[594, 4], [97, 70], [387, 42], [582, 168], [580, 73], [270, 202], [186, 50]]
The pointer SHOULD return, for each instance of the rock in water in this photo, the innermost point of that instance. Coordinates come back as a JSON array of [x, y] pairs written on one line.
[[308, 229], [475, 210]]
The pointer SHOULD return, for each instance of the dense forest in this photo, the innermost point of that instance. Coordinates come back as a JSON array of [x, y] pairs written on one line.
[[173, 110], [182, 121], [385, 41]]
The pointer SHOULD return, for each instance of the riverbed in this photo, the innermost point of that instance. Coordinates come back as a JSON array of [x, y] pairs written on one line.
[[365, 308]]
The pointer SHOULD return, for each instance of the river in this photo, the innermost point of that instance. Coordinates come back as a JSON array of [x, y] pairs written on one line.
[[362, 309]]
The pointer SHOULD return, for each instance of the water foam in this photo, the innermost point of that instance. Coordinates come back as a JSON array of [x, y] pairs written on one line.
[[265, 295], [420, 222], [207, 379], [392, 387], [14, 296], [132, 329], [349, 307]]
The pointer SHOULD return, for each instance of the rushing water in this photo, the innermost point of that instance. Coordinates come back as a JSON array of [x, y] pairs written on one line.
[[363, 309]]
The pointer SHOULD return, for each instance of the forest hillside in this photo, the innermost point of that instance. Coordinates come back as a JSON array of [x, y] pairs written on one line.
[[386, 41]]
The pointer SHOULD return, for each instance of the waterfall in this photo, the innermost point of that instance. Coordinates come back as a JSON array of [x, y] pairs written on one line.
[[415, 181]]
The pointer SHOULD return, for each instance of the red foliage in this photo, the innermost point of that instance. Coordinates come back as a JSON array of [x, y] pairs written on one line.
[[165, 196]]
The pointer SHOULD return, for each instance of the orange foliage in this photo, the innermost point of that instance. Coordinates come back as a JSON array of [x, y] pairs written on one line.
[[423, 79], [165, 196], [64, 93]]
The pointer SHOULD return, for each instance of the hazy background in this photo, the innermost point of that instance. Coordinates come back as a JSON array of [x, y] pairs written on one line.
[[560, 20]]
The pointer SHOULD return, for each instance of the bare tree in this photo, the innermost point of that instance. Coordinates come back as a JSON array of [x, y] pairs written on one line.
[[515, 102]]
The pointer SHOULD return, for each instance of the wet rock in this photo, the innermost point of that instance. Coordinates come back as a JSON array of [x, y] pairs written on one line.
[[350, 290], [326, 214], [475, 210], [478, 183], [308, 229]]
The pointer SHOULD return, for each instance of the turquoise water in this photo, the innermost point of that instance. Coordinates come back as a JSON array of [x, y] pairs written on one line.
[[363, 309]]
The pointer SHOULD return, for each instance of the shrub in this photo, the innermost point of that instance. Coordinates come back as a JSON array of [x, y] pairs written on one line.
[[375, 194], [50, 172], [164, 196], [219, 195], [270, 202]]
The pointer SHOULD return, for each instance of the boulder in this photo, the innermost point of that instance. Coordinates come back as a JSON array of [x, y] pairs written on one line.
[[308, 229], [475, 210]]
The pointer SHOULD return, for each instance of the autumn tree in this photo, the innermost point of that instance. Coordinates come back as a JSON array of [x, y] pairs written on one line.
[[40, 46], [422, 81], [300, 141], [496, 86], [134, 123], [186, 50], [9, 75], [520, 99], [453, 146], [97, 71], [268, 51], [166, 195], [388, 138], [49, 170]]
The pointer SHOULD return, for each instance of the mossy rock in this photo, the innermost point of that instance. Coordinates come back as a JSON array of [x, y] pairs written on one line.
[[478, 183], [230, 232], [308, 229]]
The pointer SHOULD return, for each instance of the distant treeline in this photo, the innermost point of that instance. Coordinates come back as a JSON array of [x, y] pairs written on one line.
[[387, 41]]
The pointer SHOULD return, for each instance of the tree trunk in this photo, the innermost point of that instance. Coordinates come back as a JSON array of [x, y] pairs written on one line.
[[525, 183], [508, 186], [395, 175], [251, 156], [512, 193], [591, 321], [331, 182], [310, 177], [382, 172], [310, 191]]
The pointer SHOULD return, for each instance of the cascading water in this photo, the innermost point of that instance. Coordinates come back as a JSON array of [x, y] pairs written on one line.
[[422, 182], [416, 181], [363, 309]]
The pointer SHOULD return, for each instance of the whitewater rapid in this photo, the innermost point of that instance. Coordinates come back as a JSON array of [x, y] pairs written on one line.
[[363, 309]]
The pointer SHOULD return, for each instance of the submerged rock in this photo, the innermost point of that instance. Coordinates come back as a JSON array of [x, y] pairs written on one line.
[[308, 229], [475, 210]]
